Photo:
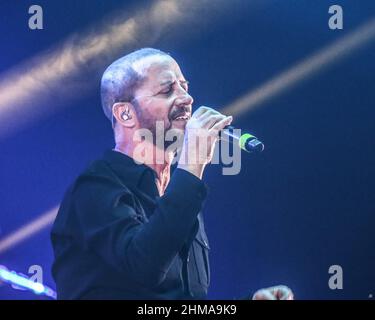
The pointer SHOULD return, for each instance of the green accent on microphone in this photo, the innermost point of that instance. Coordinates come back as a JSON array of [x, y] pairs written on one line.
[[243, 139]]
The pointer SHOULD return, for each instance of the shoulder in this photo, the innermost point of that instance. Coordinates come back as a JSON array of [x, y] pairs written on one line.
[[98, 182], [96, 188], [94, 192]]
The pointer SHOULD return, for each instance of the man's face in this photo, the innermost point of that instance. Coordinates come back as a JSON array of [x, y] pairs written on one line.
[[163, 96]]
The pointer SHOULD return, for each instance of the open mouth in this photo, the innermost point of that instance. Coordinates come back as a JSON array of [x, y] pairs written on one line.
[[184, 117]]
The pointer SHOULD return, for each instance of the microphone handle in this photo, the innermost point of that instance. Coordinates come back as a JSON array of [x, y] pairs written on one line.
[[245, 141]]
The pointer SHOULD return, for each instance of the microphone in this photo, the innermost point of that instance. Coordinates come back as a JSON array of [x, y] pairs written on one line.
[[245, 141]]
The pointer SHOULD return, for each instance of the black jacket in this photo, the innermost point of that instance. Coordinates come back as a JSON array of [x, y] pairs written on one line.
[[115, 238]]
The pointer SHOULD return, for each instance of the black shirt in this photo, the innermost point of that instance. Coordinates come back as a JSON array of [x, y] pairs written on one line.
[[115, 238]]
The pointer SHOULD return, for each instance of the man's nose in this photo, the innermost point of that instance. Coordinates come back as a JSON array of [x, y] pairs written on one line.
[[184, 99]]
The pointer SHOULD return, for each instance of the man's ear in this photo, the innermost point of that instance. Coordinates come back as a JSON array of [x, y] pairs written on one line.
[[124, 113]]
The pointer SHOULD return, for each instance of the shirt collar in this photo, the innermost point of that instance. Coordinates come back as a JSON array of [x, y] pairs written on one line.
[[133, 175]]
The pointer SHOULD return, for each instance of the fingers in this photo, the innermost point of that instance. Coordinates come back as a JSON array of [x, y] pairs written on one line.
[[222, 123], [274, 293], [201, 134], [263, 294], [211, 119], [282, 292], [208, 121], [201, 110]]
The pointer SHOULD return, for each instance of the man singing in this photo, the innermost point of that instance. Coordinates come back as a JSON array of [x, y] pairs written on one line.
[[129, 228]]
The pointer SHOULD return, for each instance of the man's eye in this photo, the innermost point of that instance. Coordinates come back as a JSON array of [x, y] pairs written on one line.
[[167, 90]]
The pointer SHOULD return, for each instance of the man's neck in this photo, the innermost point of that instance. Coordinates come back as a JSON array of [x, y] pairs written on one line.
[[162, 167]]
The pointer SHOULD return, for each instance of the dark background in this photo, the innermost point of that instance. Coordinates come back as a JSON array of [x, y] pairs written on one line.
[[304, 204]]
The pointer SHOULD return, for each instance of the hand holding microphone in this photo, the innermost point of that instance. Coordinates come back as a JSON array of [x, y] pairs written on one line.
[[208, 125], [201, 133]]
